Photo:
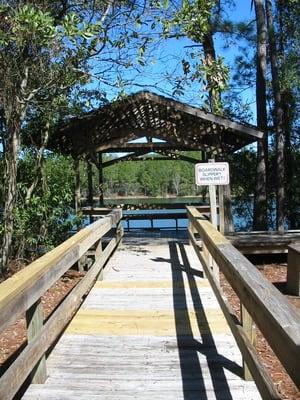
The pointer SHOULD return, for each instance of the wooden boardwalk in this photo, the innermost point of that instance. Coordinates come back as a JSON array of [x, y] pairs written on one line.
[[152, 330]]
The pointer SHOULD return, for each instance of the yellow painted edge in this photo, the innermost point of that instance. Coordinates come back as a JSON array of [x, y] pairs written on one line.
[[156, 325], [148, 284], [113, 313]]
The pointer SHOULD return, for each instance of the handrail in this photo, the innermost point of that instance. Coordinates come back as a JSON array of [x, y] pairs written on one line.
[[276, 318], [22, 292]]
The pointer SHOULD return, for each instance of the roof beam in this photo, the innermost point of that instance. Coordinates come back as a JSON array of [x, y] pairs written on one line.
[[128, 157], [176, 156], [149, 146], [235, 126]]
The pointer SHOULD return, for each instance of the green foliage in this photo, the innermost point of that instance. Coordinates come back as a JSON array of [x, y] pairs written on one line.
[[150, 178], [216, 76], [193, 18], [46, 220], [196, 20]]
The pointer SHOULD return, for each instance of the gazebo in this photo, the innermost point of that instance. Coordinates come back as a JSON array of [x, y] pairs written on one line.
[[177, 126]]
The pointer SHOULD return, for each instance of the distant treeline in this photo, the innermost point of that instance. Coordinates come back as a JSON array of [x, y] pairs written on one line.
[[177, 178], [47, 218]]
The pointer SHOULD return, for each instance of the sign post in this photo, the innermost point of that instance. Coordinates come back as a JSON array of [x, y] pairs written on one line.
[[212, 199], [213, 174]]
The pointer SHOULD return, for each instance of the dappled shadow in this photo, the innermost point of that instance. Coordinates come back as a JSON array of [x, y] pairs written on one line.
[[281, 286], [196, 376], [190, 271]]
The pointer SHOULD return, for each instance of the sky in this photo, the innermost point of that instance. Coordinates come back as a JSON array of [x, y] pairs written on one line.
[[165, 59]]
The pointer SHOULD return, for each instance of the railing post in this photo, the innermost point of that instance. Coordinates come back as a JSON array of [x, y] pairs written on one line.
[[34, 320], [293, 269], [119, 230], [221, 210], [98, 253], [191, 230], [81, 265], [249, 329]]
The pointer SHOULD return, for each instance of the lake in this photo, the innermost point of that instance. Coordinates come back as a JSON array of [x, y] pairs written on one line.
[[242, 221]]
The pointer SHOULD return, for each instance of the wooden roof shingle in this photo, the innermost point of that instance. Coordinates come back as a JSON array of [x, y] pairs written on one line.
[[147, 114]]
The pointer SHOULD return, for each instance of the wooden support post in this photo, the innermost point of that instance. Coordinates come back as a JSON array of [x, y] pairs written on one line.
[[221, 210], [77, 185], [213, 202], [90, 182], [119, 230], [293, 269], [98, 253], [191, 230], [213, 206], [101, 180], [90, 197], [34, 320], [225, 207], [81, 264], [249, 329], [228, 221], [214, 220]]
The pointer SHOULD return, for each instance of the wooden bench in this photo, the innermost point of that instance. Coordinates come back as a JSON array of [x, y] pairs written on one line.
[[293, 269]]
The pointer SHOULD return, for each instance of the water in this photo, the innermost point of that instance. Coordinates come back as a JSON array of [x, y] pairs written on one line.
[[157, 223], [242, 221]]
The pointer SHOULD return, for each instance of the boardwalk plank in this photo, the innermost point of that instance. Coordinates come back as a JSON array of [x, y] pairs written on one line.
[[151, 330]]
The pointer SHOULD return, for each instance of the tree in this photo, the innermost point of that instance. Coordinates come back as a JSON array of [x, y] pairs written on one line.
[[278, 119], [45, 51], [44, 222], [260, 199], [287, 21], [36, 64]]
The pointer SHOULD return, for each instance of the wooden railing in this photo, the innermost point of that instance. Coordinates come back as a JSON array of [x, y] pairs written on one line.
[[260, 301], [22, 293]]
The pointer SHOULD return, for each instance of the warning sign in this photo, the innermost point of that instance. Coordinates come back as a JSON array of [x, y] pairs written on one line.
[[214, 173]]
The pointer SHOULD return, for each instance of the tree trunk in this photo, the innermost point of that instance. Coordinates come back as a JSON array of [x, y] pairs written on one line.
[[288, 106], [214, 99], [260, 220], [210, 56], [278, 120], [11, 157], [38, 164]]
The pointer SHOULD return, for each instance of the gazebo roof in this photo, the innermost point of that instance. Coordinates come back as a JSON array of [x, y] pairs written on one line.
[[146, 114]]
